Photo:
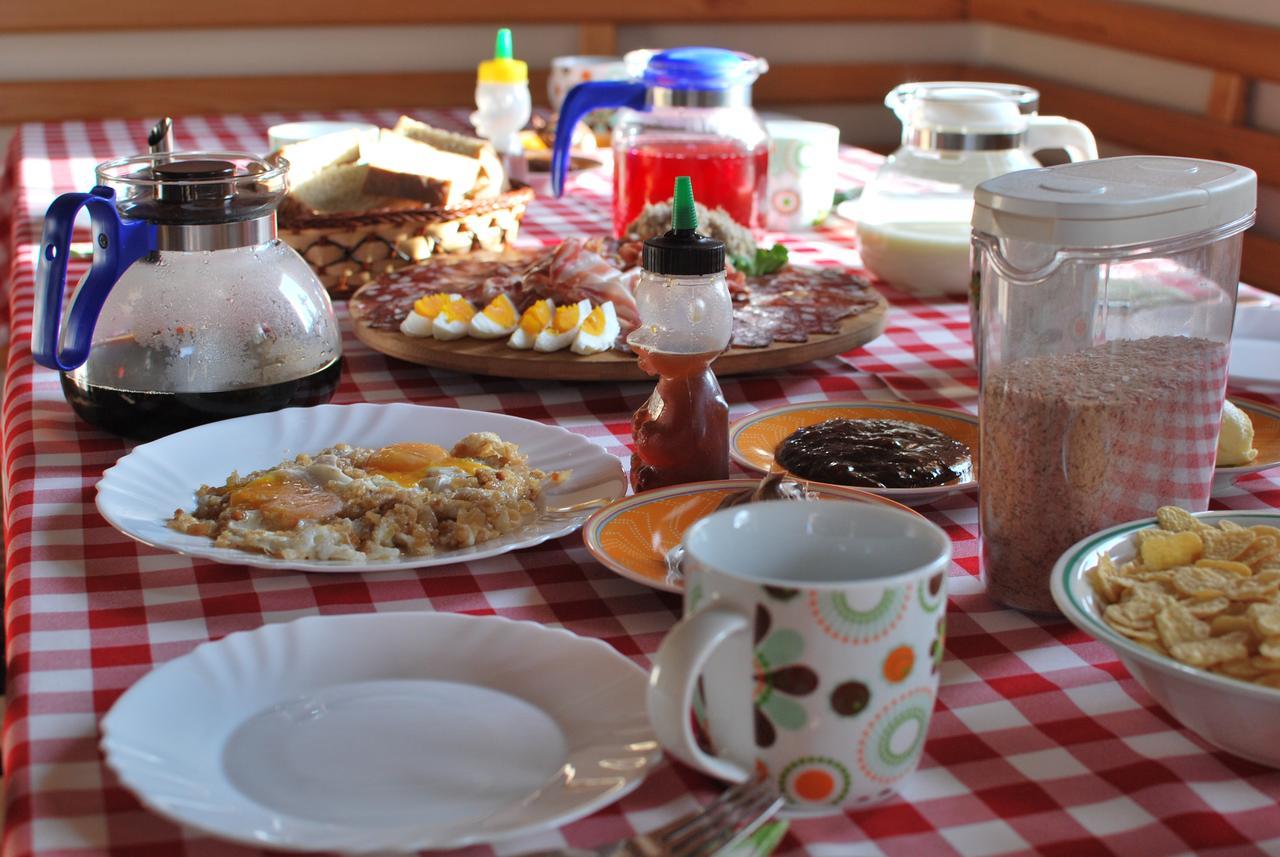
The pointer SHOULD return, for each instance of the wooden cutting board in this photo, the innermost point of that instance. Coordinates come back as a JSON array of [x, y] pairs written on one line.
[[493, 357]]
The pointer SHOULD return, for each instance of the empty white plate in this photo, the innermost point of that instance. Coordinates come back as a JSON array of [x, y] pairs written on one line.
[[1255, 348], [384, 732], [143, 489]]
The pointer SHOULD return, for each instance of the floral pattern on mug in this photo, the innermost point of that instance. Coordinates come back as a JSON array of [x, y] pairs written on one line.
[[779, 675]]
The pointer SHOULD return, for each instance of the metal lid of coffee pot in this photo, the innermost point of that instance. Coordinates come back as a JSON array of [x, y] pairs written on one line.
[[199, 200]]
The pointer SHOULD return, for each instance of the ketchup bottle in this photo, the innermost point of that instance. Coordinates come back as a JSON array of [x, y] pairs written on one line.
[[686, 318]]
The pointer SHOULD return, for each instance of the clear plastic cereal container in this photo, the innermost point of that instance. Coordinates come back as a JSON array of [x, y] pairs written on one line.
[[1103, 323]]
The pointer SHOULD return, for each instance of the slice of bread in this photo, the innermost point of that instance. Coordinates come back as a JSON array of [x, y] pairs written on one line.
[[424, 189], [397, 154], [492, 180], [339, 187], [309, 158]]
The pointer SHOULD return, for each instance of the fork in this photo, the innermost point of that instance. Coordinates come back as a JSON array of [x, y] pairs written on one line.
[[723, 823]]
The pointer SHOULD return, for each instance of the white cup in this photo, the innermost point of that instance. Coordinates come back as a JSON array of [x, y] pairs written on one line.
[[814, 631], [568, 72], [802, 173], [296, 132]]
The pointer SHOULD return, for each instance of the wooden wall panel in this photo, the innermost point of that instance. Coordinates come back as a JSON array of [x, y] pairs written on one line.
[[25, 101], [1250, 49], [40, 15]]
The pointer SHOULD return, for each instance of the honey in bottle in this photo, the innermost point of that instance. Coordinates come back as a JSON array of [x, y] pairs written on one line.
[[686, 319]]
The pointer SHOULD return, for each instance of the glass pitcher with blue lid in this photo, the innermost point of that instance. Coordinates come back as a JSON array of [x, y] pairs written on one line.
[[683, 112], [192, 309]]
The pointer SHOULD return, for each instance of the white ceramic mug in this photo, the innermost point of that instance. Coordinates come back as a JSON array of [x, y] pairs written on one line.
[[809, 648], [568, 72], [802, 172]]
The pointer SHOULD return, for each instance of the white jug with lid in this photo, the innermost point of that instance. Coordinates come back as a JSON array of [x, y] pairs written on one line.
[[913, 217]]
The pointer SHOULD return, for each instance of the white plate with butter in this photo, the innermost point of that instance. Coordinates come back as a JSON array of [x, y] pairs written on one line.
[[1266, 440]]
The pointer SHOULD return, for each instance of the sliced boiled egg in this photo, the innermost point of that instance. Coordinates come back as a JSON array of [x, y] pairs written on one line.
[[407, 464], [498, 318], [599, 330], [453, 320], [564, 327], [425, 309], [534, 321]]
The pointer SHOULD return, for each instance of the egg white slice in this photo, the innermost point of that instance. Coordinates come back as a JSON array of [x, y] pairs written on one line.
[[453, 320], [531, 324], [484, 326], [558, 335], [416, 325], [604, 321], [420, 323]]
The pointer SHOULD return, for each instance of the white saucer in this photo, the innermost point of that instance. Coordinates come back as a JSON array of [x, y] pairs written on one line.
[[384, 732]]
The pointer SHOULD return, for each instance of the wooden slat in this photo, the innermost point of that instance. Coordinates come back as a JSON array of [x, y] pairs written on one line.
[[1149, 128], [30, 101], [1249, 49], [27, 101], [1260, 264], [598, 39], [40, 15], [1228, 98], [821, 83]]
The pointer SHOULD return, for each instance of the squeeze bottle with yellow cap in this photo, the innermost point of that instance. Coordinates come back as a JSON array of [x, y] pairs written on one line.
[[502, 97]]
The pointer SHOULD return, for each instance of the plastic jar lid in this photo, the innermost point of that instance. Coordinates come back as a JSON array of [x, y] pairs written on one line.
[[702, 68], [1116, 202]]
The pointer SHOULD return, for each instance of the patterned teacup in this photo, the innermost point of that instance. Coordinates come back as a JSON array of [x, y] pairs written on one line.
[[809, 649]]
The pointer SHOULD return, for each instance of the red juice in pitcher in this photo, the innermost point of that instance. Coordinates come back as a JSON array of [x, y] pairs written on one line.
[[724, 174]]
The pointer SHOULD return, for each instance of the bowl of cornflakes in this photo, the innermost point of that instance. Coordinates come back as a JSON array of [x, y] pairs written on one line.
[[1190, 604]]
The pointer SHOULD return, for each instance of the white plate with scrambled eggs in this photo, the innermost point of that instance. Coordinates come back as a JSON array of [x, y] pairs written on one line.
[[270, 509]]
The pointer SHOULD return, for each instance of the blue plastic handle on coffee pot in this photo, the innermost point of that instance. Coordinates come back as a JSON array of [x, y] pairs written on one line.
[[581, 100], [117, 245]]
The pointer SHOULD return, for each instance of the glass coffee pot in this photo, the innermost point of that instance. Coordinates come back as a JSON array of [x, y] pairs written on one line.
[[193, 310], [687, 112], [913, 216]]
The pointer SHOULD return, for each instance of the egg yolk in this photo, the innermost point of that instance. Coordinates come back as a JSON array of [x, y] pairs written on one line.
[[536, 317], [458, 310], [566, 318], [594, 323], [430, 305], [407, 463], [501, 310], [284, 500]]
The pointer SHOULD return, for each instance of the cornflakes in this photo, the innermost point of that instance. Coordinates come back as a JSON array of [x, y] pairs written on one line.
[[1206, 596]]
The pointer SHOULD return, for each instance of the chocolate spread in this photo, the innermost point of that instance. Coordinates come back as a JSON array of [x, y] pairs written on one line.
[[874, 454]]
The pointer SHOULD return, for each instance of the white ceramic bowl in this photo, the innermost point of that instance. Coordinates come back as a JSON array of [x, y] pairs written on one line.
[[1233, 715]]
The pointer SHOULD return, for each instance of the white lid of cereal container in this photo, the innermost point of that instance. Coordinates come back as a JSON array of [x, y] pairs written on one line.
[[1117, 202]]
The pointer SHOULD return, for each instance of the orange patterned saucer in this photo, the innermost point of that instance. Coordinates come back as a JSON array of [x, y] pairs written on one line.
[[753, 438], [633, 535]]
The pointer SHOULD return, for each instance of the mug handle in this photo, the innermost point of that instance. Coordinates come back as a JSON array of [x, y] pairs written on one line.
[[1058, 132], [679, 662]]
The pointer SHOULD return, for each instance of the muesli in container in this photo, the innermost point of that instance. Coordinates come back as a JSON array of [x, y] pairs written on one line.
[[1108, 290]]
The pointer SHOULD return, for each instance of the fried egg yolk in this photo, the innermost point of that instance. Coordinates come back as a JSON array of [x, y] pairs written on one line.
[[407, 464], [284, 500]]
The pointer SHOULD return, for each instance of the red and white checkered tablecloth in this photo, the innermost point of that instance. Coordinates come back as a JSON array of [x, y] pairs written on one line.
[[1041, 742]]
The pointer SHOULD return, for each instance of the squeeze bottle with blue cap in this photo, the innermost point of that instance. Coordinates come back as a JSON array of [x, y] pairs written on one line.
[[503, 103], [686, 319]]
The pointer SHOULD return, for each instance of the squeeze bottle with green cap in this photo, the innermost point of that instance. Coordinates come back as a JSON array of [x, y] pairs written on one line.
[[686, 319], [502, 98]]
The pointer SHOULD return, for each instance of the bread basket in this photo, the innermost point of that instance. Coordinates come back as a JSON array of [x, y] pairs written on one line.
[[348, 249]]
